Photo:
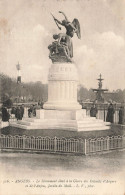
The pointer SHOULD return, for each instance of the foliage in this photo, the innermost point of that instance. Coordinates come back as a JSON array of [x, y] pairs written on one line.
[[10, 89], [35, 91]]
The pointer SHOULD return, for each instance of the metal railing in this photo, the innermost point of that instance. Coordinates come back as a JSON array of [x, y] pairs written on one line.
[[104, 144], [61, 145], [41, 144]]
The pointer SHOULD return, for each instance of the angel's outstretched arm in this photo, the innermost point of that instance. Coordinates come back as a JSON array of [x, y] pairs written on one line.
[[64, 15]]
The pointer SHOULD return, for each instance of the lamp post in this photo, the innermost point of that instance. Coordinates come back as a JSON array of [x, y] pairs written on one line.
[[18, 73]]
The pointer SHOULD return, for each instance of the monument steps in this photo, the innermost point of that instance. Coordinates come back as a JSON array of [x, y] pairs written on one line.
[[44, 126], [80, 123], [86, 124], [46, 120], [47, 123], [14, 124], [89, 119], [94, 128], [64, 127], [62, 120], [31, 119], [90, 124]]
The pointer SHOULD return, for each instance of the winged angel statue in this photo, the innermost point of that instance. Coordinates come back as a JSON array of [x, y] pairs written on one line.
[[62, 48]]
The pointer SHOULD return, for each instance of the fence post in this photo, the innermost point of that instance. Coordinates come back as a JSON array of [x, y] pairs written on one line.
[[24, 139], [85, 147], [55, 144], [108, 143]]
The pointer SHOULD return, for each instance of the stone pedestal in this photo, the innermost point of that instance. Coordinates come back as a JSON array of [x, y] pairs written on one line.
[[61, 114], [62, 87]]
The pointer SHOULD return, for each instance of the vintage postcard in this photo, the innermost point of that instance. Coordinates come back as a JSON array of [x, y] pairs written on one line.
[[62, 97]]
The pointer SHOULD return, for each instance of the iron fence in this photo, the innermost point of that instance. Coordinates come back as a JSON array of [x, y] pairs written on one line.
[[104, 144], [41, 144], [63, 145]]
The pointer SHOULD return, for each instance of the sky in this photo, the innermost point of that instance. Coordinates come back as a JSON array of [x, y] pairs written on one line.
[[26, 29]]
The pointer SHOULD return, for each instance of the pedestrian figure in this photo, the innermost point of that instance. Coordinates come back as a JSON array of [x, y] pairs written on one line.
[[13, 110], [18, 114], [5, 114], [22, 110], [121, 115], [110, 114], [93, 111], [30, 112], [34, 110]]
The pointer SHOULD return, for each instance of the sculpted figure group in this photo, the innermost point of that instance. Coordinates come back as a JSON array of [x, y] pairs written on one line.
[[61, 48]]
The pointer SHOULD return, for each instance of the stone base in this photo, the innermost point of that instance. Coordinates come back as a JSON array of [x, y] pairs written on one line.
[[62, 106], [73, 120]]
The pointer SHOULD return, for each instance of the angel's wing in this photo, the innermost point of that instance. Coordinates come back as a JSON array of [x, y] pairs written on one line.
[[76, 24]]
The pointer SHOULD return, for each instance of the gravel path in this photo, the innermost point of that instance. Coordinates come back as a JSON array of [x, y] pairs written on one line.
[[87, 174]]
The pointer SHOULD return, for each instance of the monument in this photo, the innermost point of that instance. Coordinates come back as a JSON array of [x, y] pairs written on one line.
[[63, 78], [62, 110]]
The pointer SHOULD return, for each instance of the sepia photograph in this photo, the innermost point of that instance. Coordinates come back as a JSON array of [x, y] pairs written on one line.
[[62, 97]]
